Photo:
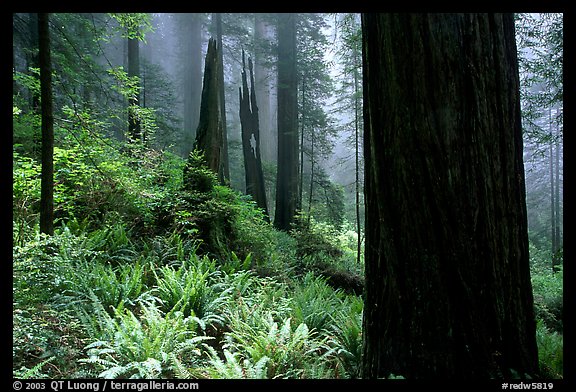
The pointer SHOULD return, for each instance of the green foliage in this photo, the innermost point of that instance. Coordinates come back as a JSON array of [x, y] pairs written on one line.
[[141, 346], [346, 338], [289, 351], [133, 25], [548, 289], [26, 132], [314, 238], [37, 269], [328, 201], [25, 197], [30, 81], [540, 42], [197, 176], [550, 351], [129, 87], [35, 372], [113, 287], [234, 367], [548, 298], [42, 329], [189, 289], [313, 303]]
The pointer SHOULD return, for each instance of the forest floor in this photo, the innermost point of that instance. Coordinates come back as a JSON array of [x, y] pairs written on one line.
[[148, 278]]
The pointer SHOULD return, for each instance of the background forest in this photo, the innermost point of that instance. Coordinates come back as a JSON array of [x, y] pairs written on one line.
[[159, 267]]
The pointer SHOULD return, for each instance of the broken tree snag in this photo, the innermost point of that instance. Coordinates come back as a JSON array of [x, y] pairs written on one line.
[[209, 131], [251, 139]]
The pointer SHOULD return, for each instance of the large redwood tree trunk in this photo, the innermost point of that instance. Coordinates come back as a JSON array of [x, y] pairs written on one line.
[[448, 291], [288, 171]]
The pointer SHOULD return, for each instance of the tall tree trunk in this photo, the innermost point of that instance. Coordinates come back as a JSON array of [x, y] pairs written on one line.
[[32, 62], [47, 177], [134, 126], [553, 245], [263, 79], [251, 140], [287, 173], [302, 128], [225, 164], [556, 206], [311, 189], [557, 213], [209, 132], [192, 82], [32, 57], [448, 291], [357, 154]]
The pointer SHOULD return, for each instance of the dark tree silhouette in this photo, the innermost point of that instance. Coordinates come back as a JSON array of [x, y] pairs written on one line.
[[47, 178], [251, 139], [209, 132], [287, 173]]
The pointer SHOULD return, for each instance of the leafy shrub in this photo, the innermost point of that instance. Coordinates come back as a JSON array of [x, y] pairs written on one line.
[[548, 297], [315, 238], [197, 176], [25, 197]]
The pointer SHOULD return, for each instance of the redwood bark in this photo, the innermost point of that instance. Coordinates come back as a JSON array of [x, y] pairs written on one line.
[[448, 291], [209, 132], [287, 172]]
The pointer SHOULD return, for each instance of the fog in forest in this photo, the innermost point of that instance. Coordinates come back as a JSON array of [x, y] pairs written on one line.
[[223, 143], [172, 66]]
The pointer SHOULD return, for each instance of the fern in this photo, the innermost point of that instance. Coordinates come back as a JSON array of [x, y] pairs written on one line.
[[289, 351], [190, 290], [34, 372], [233, 366], [315, 303], [143, 345]]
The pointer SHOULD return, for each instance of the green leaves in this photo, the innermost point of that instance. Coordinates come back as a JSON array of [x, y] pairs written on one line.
[[134, 25]]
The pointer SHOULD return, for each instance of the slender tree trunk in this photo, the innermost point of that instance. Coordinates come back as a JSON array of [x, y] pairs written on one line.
[[263, 80], [357, 155], [134, 126], [448, 291], [209, 132], [251, 140], [554, 246], [552, 200], [311, 193], [557, 213], [225, 165], [287, 173], [192, 82], [555, 199], [32, 62], [47, 177], [32, 57], [303, 122]]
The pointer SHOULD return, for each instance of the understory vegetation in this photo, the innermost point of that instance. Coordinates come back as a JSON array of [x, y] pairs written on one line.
[[155, 271]]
